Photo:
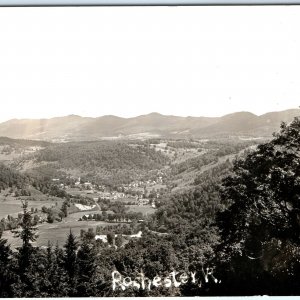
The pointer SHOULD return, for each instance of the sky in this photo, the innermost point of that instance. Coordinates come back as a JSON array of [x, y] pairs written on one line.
[[128, 61]]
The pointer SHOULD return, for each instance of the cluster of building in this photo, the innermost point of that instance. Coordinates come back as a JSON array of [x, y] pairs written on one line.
[[133, 192], [103, 237], [141, 183]]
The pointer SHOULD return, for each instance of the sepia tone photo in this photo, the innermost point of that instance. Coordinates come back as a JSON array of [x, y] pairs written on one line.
[[149, 151]]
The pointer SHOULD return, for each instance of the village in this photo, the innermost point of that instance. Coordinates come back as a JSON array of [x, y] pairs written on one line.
[[140, 192]]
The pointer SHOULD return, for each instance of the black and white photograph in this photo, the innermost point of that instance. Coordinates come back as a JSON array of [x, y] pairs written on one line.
[[149, 151]]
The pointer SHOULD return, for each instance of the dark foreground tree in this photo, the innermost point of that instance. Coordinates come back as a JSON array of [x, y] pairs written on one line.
[[26, 259], [261, 241], [70, 262], [27, 235], [5, 274], [86, 259]]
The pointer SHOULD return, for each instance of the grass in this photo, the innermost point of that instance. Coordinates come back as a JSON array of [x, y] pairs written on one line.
[[56, 233], [12, 206], [84, 193], [145, 210]]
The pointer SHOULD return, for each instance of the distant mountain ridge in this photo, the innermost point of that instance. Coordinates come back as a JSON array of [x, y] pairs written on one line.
[[77, 128]]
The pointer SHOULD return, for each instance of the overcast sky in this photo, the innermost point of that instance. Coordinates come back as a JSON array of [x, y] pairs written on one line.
[[127, 61]]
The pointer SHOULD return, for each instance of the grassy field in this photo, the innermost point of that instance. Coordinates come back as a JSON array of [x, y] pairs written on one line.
[[56, 232], [4, 157], [146, 209], [84, 193], [12, 206]]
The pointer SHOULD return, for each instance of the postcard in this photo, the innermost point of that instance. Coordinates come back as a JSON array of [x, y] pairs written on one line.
[[149, 151]]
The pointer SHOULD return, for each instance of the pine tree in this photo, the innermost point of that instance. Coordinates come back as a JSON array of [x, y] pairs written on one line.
[[49, 256], [87, 269], [70, 261], [59, 278], [27, 235], [5, 274], [27, 257]]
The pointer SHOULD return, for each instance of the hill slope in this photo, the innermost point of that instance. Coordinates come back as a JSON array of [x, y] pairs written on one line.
[[76, 128]]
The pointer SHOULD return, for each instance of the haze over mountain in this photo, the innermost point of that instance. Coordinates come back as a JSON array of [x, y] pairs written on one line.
[[77, 128]]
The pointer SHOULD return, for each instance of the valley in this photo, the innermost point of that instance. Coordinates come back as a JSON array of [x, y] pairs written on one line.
[[139, 203], [95, 185]]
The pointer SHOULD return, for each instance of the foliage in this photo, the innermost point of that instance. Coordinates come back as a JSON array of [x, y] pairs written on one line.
[[260, 226], [117, 162], [11, 178]]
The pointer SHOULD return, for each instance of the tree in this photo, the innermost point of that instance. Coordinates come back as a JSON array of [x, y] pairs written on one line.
[[26, 257], [36, 219], [111, 238], [50, 216], [27, 235], [86, 259], [260, 227], [44, 209], [104, 214], [59, 274], [64, 208], [119, 240], [70, 258], [61, 215], [5, 274], [90, 236]]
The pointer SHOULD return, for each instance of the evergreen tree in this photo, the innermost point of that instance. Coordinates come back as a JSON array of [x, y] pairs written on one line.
[[70, 261], [59, 278], [87, 266], [27, 235], [5, 272]]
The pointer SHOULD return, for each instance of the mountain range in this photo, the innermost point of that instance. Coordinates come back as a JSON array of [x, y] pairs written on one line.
[[77, 128]]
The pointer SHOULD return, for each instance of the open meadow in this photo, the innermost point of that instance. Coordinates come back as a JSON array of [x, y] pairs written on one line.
[[12, 206], [144, 209], [57, 233]]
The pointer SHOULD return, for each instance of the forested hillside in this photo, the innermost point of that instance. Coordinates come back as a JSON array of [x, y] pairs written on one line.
[[106, 155], [11, 178], [105, 162]]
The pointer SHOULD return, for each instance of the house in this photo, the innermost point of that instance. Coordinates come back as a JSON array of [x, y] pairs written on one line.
[[77, 183], [102, 237], [138, 235], [87, 185]]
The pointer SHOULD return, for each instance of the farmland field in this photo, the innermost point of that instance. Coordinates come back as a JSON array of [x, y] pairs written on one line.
[[84, 193], [146, 209], [57, 233], [76, 216], [13, 206]]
